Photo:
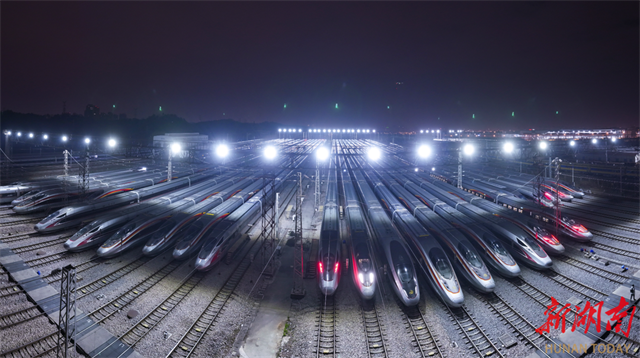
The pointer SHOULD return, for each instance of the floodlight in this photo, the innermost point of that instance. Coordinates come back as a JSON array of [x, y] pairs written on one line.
[[19, 134], [358, 131], [613, 139], [270, 152], [437, 131], [112, 142], [324, 131], [374, 153], [432, 131], [176, 148], [64, 138], [594, 141], [421, 131], [87, 140], [433, 169], [45, 137], [543, 145], [8, 132], [416, 169], [374, 131], [279, 129], [299, 130], [468, 149], [343, 131], [222, 151], [322, 154], [508, 147], [30, 135], [309, 130], [424, 151], [572, 143]]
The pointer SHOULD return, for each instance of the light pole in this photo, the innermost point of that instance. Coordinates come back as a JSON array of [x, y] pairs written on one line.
[[468, 149], [424, 151], [543, 146], [175, 148], [321, 155]]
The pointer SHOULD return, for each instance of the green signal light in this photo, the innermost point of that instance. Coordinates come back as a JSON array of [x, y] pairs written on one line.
[[285, 105], [388, 107], [336, 106], [556, 112], [473, 116], [513, 114], [160, 108]]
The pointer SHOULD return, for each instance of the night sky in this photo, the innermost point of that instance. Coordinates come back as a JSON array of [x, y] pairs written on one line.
[[213, 60]]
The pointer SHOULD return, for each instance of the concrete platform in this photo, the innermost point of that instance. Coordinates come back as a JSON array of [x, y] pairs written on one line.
[[91, 337]]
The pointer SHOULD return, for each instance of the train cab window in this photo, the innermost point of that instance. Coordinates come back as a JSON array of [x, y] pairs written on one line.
[[470, 256], [521, 243], [441, 263], [159, 235], [404, 272]]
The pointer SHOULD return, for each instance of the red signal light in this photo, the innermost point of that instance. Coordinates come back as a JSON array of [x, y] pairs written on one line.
[[320, 267], [337, 267]]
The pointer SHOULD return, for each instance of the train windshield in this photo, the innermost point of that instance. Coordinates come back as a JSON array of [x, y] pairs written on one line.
[[91, 228], [120, 234], [190, 234], [501, 251], [470, 256], [33, 198], [61, 212], [441, 263], [157, 236], [568, 221], [403, 267]]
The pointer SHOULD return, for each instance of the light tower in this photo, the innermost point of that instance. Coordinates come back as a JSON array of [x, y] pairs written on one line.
[[175, 148], [468, 149], [321, 155]]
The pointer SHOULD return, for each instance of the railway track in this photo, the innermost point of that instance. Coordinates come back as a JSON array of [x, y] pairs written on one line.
[[608, 224], [615, 250], [153, 318], [190, 340], [477, 340], [45, 260], [110, 308], [15, 318], [326, 338], [576, 286], [111, 277], [594, 269], [524, 329], [425, 342], [617, 339], [616, 237], [34, 349], [39, 245], [373, 329], [19, 222], [600, 214], [18, 237]]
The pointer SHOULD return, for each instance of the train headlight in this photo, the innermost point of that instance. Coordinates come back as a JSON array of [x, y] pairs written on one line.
[[361, 277], [370, 276]]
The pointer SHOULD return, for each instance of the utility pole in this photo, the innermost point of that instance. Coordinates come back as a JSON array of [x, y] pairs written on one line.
[[317, 186], [66, 331], [298, 290], [459, 169], [558, 214]]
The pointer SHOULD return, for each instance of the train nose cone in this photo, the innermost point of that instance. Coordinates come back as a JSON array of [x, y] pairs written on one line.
[[146, 250], [102, 252], [66, 245]]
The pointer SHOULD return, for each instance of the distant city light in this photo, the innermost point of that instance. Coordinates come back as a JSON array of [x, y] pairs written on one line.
[[374, 153], [222, 151], [508, 147], [424, 151], [270, 152], [468, 149]]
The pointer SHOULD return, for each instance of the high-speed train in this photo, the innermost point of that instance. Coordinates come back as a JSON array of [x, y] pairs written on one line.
[[492, 250], [138, 231], [220, 239], [363, 270], [329, 254], [466, 260], [403, 276], [543, 216], [436, 265], [70, 216], [519, 243], [193, 237], [175, 227]]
